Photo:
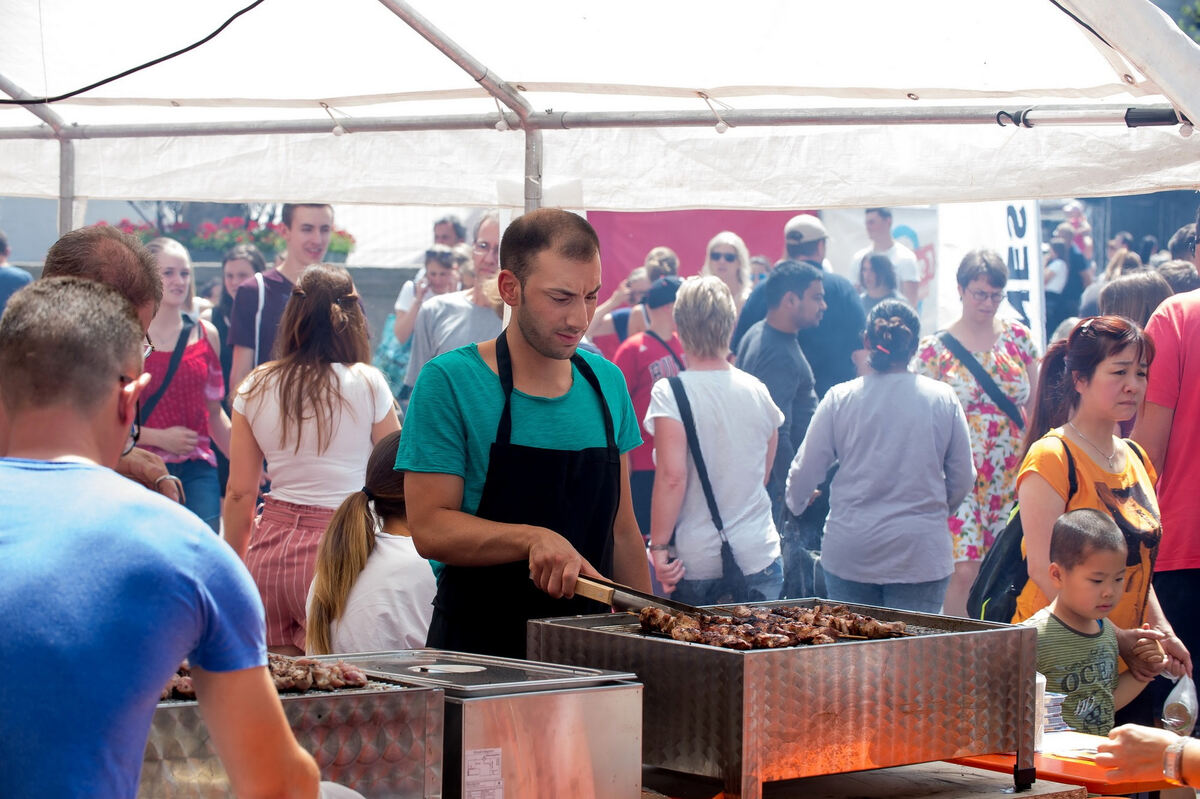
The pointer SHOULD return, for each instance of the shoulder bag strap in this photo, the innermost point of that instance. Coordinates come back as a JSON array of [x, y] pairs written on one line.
[[185, 333], [666, 347], [689, 427], [983, 378], [262, 300]]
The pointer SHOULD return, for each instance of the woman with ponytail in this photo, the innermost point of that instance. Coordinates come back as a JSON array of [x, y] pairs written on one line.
[[1090, 382], [372, 591], [313, 413], [905, 456]]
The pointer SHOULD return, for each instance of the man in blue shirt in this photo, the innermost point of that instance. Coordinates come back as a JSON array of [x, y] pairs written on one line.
[[11, 278], [106, 587], [516, 452]]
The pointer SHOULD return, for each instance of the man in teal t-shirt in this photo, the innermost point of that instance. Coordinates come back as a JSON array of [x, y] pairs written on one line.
[[515, 452]]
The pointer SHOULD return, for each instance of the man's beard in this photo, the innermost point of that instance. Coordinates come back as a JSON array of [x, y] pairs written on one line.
[[545, 344]]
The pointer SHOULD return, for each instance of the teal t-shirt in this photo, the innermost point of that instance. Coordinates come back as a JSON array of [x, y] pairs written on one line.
[[455, 407]]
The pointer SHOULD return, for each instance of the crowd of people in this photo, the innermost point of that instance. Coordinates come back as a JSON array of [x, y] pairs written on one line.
[[551, 447]]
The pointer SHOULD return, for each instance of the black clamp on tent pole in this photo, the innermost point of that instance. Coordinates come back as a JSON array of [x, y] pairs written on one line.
[[1020, 118], [1153, 117]]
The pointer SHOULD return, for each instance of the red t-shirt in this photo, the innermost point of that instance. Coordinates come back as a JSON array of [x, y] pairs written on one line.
[[643, 361], [1174, 377], [185, 402]]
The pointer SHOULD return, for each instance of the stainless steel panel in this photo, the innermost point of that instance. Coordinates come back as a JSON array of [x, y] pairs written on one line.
[[584, 743], [959, 688], [383, 741], [464, 674]]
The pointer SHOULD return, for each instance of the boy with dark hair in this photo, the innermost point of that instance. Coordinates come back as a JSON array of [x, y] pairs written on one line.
[[1076, 650]]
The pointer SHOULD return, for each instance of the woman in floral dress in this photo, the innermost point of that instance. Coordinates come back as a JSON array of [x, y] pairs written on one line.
[[1007, 352]]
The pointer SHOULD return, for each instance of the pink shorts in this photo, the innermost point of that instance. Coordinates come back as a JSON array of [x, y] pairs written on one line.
[[282, 558]]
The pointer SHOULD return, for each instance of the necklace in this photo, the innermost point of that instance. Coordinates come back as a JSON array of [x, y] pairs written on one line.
[[1109, 458]]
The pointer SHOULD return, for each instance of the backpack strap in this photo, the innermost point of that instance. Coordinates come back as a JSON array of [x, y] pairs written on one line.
[[1137, 449], [258, 315], [1072, 480]]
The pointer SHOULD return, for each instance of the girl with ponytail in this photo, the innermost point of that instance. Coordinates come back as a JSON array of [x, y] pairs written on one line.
[[1090, 382], [905, 456], [372, 592]]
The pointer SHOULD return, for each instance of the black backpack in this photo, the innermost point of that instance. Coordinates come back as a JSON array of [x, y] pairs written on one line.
[[1004, 570]]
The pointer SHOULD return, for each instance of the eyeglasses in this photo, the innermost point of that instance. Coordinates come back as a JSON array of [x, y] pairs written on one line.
[[728, 256], [148, 349], [484, 247], [985, 296], [135, 429]]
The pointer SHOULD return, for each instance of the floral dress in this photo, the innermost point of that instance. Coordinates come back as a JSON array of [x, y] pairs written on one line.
[[995, 440]]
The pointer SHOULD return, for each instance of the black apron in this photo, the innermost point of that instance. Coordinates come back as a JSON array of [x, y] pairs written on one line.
[[575, 493]]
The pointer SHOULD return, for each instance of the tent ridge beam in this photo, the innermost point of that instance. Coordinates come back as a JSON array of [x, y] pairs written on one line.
[[495, 86]]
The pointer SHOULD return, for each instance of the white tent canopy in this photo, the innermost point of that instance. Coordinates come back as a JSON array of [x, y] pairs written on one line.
[[610, 106]]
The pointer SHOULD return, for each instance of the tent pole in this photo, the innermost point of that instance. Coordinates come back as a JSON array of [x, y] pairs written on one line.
[[66, 186], [39, 110], [533, 169], [496, 87], [560, 120]]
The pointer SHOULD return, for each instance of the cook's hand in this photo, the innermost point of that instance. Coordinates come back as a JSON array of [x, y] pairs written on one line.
[[1134, 752], [1127, 641], [554, 564], [668, 572], [149, 470], [177, 440]]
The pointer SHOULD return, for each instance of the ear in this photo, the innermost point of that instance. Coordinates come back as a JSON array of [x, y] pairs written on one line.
[[509, 288], [1057, 575], [127, 399]]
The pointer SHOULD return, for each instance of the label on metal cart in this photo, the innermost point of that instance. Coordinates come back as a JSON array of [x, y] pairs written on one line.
[[484, 776]]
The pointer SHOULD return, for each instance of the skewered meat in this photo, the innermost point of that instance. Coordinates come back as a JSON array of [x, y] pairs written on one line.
[[768, 627], [290, 675]]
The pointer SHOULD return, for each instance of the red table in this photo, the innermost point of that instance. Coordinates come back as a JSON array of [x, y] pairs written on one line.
[[1066, 769]]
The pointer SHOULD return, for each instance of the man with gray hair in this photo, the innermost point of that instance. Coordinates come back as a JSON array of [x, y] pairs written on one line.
[[131, 582], [464, 317]]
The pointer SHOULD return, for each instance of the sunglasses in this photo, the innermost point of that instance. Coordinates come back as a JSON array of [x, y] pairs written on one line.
[[148, 349], [728, 256]]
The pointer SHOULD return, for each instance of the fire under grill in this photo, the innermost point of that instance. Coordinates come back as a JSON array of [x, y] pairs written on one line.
[[955, 688]]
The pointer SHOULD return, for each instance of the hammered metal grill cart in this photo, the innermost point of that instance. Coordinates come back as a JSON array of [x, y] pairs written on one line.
[[382, 740], [516, 728], [956, 688]]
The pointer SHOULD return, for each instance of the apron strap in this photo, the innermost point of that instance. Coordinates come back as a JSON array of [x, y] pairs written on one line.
[[504, 370]]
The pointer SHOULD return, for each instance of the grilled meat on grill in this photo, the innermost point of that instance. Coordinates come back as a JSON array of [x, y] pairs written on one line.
[[768, 628], [290, 675]]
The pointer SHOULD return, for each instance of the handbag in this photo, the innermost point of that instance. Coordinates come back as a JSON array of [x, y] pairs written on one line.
[[983, 378], [185, 333], [733, 581]]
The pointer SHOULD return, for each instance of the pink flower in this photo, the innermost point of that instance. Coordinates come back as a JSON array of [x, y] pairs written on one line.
[[993, 429], [987, 471], [996, 502], [956, 526]]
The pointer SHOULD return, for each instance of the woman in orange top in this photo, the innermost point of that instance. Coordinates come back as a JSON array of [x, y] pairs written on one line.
[[1090, 381]]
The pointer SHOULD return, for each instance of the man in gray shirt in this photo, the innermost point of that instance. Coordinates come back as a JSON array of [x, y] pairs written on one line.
[[769, 351], [450, 321]]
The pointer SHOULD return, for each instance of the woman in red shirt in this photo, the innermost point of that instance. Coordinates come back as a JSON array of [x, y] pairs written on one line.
[[182, 414]]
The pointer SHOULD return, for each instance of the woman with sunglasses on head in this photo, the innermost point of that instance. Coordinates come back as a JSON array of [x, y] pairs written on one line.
[[182, 415], [728, 259], [439, 275], [314, 413], [1090, 382], [1005, 353], [372, 591]]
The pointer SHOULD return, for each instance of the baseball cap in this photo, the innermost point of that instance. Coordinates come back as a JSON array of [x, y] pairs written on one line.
[[804, 227], [662, 291]]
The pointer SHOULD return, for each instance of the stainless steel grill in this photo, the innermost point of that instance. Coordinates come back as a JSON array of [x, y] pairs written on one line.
[[957, 688], [382, 740]]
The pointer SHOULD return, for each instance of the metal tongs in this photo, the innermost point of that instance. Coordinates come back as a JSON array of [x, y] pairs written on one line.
[[622, 597]]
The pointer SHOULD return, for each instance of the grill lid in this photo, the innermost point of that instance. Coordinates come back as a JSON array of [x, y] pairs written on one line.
[[467, 675]]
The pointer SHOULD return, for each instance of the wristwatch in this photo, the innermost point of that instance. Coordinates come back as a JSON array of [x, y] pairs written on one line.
[[1173, 761]]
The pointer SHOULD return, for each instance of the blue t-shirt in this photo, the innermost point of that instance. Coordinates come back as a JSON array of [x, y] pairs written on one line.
[[12, 279], [455, 407], [105, 588]]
